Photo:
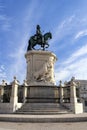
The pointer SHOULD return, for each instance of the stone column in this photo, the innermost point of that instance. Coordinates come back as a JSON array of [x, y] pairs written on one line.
[[61, 92], [2, 89], [14, 95], [75, 106], [73, 98], [24, 91]]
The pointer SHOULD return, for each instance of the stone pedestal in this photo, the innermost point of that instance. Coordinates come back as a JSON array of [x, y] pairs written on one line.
[[40, 68], [42, 94], [73, 98], [40, 76], [14, 95], [75, 106]]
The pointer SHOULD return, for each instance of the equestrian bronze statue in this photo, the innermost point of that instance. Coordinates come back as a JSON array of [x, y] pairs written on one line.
[[39, 39]]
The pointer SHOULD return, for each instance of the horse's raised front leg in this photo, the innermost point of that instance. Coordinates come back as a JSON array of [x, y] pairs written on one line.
[[47, 45]]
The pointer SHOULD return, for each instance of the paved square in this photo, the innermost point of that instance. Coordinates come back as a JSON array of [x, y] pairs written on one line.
[[43, 126]]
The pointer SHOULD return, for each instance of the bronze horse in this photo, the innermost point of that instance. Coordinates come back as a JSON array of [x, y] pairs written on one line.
[[41, 40]]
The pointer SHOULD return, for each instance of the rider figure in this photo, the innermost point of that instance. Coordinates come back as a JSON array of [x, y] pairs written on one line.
[[38, 32]]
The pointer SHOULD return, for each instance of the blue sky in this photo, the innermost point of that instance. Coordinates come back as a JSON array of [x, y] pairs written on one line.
[[65, 19]]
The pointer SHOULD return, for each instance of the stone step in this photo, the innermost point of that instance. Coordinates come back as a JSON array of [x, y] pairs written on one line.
[[43, 100], [42, 112], [47, 110], [55, 118], [40, 104], [42, 108]]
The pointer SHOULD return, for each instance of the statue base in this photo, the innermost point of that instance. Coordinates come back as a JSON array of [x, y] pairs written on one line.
[[40, 77], [42, 94], [40, 68]]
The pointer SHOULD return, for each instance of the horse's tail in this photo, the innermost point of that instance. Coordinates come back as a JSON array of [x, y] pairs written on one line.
[[50, 35], [29, 46]]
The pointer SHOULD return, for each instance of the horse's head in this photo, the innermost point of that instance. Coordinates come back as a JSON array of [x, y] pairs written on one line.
[[47, 36], [50, 34]]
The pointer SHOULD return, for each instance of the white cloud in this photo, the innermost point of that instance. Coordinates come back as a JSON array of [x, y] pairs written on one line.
[[68, 27], [2, 67], [2, 72], [77, 69], [81, 34], [5, 22], [18, 67], [61, 74], [76, 66], [77, 54], [62, 30], [1, 6], [67, 22]]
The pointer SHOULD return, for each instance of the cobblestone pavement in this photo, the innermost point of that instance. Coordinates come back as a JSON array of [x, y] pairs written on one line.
[[43, 126]]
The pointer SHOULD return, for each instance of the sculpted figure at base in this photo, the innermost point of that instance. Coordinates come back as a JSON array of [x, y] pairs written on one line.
[[45, 73], [39, 39]]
